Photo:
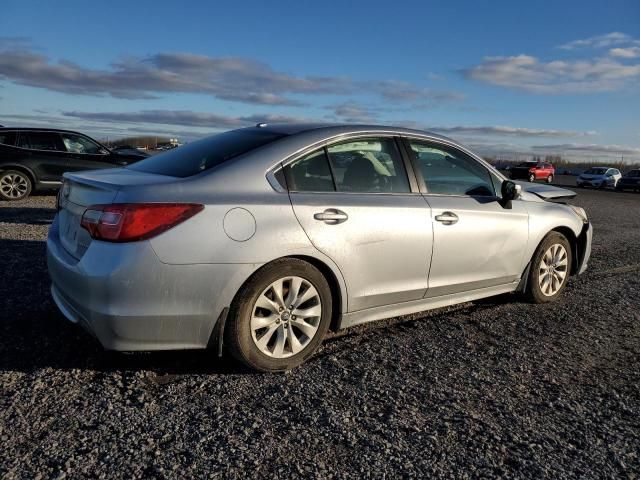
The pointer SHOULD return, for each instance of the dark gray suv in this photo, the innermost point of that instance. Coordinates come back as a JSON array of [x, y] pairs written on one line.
[[35, 158]]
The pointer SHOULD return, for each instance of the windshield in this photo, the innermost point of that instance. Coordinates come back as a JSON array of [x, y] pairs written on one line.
[[207, 153], [596, 171], [528, 164], [633, 173]]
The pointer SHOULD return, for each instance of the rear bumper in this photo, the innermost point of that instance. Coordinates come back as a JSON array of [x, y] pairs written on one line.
[[129, 300]]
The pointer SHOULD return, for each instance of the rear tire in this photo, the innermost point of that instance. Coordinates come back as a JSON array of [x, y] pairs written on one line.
[[550, 179], [14, 185], [280, 316], [550, 269], [532, 178]]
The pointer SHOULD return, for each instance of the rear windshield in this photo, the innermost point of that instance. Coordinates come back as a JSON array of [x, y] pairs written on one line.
[[633, 173], [528, 164], [204, 154]]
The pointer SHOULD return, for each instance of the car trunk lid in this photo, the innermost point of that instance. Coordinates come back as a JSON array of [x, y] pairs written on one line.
[[96, 187]]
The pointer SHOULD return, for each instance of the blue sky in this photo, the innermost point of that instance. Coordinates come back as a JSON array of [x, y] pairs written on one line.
[[504, 77]]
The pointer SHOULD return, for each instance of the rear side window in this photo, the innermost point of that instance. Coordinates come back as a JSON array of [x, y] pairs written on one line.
[[368, 165], [311, 173], [207, 153], [359, 166], [41, 141], [8, 138]]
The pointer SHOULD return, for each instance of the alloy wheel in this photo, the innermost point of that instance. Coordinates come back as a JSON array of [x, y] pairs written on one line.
[[14, 185], [286, 317], [553, 269]]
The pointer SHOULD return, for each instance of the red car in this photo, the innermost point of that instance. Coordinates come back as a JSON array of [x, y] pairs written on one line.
[[533, 171]]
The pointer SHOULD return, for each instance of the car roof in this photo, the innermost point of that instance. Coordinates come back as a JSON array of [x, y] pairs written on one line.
[[36, 129], [331, 128]]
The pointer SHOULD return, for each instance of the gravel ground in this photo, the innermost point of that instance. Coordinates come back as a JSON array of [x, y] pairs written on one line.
[[490, 388]]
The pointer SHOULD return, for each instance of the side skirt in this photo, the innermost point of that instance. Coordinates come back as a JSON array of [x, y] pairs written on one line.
[[406, 308]]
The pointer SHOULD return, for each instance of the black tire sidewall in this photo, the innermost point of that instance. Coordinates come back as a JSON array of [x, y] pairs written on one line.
[[23, 175], [534, 293], [238, 331]]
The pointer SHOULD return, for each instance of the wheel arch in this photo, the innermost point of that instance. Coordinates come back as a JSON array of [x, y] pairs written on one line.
[[573, 243], [334, 279], [21, 168]]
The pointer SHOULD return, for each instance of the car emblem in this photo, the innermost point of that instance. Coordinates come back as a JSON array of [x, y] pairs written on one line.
[[66, 189]]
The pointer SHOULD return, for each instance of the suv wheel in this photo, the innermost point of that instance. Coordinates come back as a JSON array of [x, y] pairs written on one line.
[[532, 177], [550, 268], [280, 316], [14, 185], [550, 179]]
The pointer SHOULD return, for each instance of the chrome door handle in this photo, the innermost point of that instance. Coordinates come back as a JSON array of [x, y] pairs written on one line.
[[447, 218], [331, 216]]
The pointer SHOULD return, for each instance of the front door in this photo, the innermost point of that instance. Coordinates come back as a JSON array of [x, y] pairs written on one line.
[[355, 204], [85, 154], [478, 242]]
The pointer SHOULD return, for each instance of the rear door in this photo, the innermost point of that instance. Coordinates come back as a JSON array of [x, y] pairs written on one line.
[[46, 154], [355, 202], [477, 242]]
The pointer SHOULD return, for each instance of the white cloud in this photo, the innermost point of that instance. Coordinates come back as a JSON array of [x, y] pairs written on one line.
[[507, 131], [527, 73], [601, 41], [629, 52], [590, 148], [235, 79], [183, 118]]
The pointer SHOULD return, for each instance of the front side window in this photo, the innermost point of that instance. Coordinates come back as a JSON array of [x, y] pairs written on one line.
[[369, 166], [41, 141], [8, 138], [80, 144], [448, 171]]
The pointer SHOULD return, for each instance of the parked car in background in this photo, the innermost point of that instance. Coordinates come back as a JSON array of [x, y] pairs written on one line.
[[533, 171], [599, 177], [629, 181], [36, 158], [266, 237], [128, 150]]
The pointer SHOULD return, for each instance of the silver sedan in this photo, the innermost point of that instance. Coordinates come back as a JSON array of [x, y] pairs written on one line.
[[262, 239]]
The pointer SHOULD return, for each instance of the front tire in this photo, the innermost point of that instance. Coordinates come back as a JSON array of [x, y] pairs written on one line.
[[532, 178], [14, 185], [550, 269], [280, 316], [550, 179]]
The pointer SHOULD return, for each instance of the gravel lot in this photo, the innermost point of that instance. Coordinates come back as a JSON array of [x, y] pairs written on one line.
[[490, 388]]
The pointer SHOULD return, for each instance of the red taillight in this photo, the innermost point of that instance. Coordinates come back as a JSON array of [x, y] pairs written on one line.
[[128, 222]]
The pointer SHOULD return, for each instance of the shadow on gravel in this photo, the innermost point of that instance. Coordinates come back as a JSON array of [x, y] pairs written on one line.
[[35, 335], [27, 215]]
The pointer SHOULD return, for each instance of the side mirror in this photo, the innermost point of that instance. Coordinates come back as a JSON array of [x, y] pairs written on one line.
[[510, 190]]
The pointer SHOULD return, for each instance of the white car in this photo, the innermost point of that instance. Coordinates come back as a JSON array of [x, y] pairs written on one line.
[[599, 177]]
